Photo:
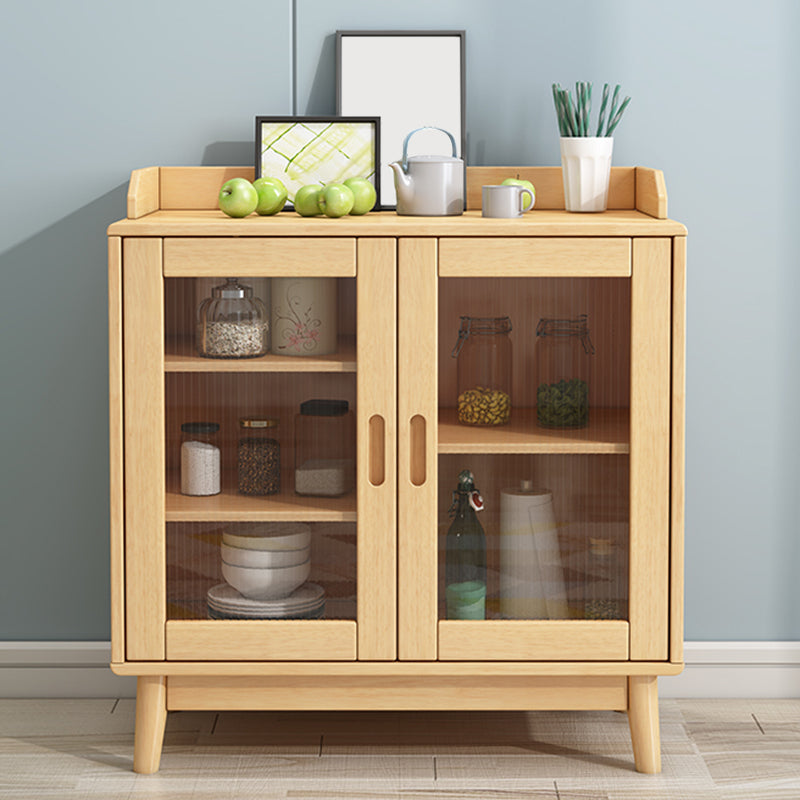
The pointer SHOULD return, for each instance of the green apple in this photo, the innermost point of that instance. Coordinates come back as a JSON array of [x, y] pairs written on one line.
[[238, 197], [364, 194], [271, 196], [306, 201], [525, 185], [336, 200]]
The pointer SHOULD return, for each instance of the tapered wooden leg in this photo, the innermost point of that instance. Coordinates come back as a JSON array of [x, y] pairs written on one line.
[[151, 717], [643, 719]]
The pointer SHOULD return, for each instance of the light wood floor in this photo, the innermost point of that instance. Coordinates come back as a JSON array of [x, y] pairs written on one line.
[[69, 749]]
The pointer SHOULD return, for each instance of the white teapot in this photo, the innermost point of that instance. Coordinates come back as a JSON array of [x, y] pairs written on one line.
[[429, 186]]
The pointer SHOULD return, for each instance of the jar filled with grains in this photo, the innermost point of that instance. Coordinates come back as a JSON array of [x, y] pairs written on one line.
[[200, 458], [259, 456], [232, 323], [484, 355]]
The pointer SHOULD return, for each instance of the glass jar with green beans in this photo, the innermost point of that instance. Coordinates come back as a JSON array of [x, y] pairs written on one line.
[[562, 366]]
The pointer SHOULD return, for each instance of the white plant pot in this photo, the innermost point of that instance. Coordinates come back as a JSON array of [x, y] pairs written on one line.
[[586, 167]]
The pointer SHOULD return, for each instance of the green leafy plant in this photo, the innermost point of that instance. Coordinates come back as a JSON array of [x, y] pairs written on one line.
[[573, 116]]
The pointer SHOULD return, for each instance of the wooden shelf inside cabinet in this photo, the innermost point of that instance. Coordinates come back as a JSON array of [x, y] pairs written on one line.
[[230, 506], [608, 431], [180, 356]]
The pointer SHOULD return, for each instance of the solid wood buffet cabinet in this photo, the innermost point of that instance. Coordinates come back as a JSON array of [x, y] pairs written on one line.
[[378, 552]]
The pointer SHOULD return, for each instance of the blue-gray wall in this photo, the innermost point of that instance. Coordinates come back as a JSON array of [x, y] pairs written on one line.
[[92, 89]]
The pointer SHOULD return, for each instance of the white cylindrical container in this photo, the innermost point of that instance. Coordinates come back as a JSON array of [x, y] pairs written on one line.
[[200, 459], [531, 573], [586, 168], [304, 316]]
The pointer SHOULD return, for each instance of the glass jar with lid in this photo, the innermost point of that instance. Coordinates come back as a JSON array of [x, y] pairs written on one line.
[[232, 323], [484, 354], [259, 456], [324, 448], [200, 458], [562, 365]]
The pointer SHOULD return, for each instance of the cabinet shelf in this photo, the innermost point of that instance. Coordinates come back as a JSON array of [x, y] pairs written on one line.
[[180, 356], [608, 431], [230, 506]]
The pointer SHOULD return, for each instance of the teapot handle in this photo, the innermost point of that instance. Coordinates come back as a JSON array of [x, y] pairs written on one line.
[[424, 128]]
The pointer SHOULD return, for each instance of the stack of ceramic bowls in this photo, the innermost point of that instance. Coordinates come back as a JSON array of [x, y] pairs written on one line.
[[307, 602], [266, 562]]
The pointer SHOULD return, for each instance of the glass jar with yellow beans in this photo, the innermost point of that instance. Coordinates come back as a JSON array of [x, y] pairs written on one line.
[[484, 354]]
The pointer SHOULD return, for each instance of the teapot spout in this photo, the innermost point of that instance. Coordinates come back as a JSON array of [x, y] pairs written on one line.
[[403, 184]]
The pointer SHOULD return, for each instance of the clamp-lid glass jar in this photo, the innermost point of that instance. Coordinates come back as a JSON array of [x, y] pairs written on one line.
[[259, 456], [324, 448], [232, 323], [200, 458], [562, 364], [484, 355]]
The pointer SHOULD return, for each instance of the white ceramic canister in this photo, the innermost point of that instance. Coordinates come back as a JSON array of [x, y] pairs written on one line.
[[304, 316], [531, 572]]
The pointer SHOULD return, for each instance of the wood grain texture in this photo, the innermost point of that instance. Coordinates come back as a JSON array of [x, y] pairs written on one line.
[[677, 448], [398, 668], [651, 329], [561, 257], [231, 506], [380, 694], [533, 640], [271, 640], [143, 192], [386, 223], [145, 559], [376, 307], [651, 192], [549, 185], [151, 718], [181, 356], [116, 449], [215, 257], [608, 431], [643, 721], [197, 187], [417, 498]]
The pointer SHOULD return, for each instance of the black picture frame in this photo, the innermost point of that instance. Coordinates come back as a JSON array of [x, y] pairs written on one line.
[[306, 133], [384, 82]]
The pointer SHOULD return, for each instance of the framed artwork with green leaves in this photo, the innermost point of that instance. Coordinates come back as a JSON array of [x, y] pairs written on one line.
[[304, 150]]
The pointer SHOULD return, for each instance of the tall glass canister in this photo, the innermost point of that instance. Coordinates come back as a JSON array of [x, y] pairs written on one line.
[[484, 355], [562, 362]]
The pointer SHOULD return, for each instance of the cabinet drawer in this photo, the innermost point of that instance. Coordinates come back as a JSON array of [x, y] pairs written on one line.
[[209, 257], [539, 257]]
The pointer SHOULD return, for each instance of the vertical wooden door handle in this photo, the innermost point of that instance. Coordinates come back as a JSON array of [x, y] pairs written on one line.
[[377, 449], [417, 460]]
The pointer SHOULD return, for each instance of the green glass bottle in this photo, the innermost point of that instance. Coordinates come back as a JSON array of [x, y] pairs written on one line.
[[465, 559]]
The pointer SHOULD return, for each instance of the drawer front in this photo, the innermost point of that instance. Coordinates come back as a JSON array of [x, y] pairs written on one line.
[[539, 257], [212, 257]]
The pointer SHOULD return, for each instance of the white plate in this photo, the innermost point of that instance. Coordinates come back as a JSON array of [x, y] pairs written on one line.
[[225, 598]]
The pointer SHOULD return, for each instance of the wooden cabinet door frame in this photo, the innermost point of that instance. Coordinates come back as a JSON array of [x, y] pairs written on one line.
[[148, 634], [644, 635]]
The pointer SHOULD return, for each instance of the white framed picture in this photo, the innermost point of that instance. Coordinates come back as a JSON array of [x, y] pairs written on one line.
[[410, 79]]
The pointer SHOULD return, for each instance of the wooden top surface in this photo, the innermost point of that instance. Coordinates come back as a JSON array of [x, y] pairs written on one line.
[[544, 222]]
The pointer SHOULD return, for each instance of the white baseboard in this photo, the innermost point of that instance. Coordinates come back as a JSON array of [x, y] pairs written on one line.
[[713, 669]]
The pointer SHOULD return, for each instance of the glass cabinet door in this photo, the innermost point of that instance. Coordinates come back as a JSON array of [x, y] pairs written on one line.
[[262, 478], [545, 453]]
